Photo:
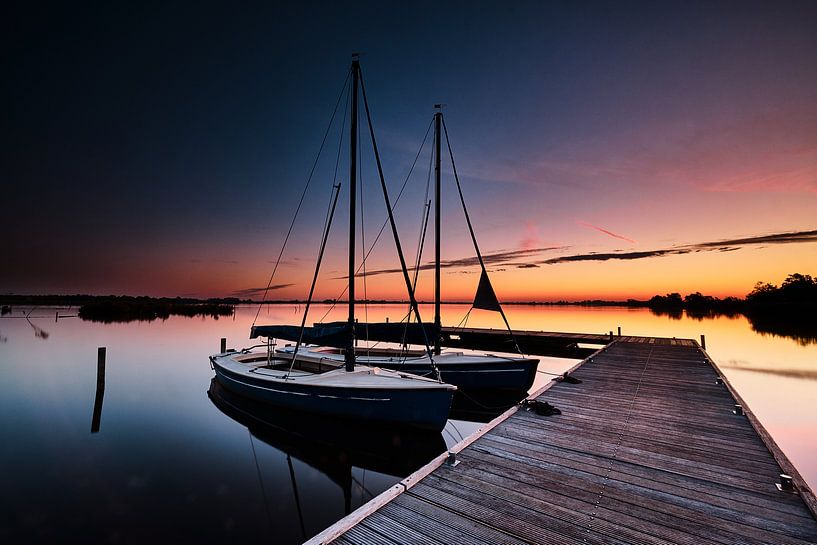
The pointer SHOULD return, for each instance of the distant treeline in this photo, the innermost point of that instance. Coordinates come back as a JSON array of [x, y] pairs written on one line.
[[786, 310], [797, 295], [112, 308]]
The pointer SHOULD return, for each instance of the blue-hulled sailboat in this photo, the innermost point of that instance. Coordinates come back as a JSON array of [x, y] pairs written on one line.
[[341, 387], [507, 376]]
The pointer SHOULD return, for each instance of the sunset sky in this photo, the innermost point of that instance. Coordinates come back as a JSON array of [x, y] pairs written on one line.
[[606, 150]]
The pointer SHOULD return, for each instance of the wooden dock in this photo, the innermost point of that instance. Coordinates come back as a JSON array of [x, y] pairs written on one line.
[[646, 450]]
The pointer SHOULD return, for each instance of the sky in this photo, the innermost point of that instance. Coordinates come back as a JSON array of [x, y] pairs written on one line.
[[606, 150]]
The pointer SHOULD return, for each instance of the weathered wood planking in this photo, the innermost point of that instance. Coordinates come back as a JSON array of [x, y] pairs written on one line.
[[646, 451]]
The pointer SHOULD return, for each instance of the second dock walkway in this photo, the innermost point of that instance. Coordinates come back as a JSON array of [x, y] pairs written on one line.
[[646, 450]]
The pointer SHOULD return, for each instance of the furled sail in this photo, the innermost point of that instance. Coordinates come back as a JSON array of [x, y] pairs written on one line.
[[336, 334], [326, 335]]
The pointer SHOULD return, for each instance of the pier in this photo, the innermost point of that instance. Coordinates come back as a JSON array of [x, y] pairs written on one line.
[[652, 447]]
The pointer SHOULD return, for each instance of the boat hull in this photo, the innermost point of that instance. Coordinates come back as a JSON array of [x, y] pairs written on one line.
[[474, 373], [421, 408], [509, 376], [329, 444]]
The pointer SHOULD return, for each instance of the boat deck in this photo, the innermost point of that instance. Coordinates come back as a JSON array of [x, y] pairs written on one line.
[[646, 450]]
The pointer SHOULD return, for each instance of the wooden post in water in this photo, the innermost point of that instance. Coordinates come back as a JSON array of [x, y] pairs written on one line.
[[57, 316], [100, 389], [703, 342], [619, 331], [223, 345]]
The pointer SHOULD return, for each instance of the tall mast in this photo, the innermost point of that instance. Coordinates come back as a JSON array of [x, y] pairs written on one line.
[[350, 347], [437, 320]]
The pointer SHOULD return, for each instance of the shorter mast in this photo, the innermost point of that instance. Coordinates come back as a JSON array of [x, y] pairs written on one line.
[[437, 229]]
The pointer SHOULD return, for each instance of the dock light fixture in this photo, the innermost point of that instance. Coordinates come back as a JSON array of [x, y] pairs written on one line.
[[738, 410], [451, 460], [719, 381], [786, 483]]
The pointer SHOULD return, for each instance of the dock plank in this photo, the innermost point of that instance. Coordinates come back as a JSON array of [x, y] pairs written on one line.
[[646, 451]]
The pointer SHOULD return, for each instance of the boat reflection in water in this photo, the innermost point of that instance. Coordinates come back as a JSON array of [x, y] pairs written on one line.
[[332, 446]]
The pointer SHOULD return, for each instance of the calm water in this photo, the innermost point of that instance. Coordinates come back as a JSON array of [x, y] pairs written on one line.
[[171, 465]]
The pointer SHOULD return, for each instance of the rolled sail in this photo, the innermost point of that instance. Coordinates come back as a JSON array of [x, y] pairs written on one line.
[[336, 334]]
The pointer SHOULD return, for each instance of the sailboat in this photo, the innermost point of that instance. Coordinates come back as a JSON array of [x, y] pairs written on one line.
[[341, 387], [485, 375]]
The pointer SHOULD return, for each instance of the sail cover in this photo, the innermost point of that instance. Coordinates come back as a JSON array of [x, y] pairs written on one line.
[[325, 335], [336, 334], [485, 298]]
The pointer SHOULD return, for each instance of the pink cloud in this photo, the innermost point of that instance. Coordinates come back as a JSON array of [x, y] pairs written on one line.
[[530, 239]]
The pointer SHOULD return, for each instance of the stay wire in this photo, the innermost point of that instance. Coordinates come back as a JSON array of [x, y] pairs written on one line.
[[303, 196], [363, 238], [423, 221], [395, 234], [421, 244], [471, 230], [383, 227], [340, 140], [330, 214], [417, 266]]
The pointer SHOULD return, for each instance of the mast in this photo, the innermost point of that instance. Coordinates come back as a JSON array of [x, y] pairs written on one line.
[[437, 321], [350, 347]]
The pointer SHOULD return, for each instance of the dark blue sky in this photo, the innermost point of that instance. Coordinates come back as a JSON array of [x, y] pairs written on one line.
[[153, 147]]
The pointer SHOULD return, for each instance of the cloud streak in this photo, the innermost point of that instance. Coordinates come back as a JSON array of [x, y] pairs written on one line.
[[525, 258], [505, 257], [718, 245], [606, 232], [250, 292]]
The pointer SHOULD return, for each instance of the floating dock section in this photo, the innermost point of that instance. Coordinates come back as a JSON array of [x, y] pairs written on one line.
[[649, 448]]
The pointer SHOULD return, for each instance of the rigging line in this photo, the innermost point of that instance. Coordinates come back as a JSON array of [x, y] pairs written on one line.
[[464, 319], [423, 227], [423, 219], [551, 374], [363, 239], [471, 230], [340, 147], [484, 406], [261, 482], [395, 235], [385, 222], [328, 223], [303, 196], [420, 244]]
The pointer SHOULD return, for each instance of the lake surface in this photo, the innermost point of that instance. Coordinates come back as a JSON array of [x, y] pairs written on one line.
[[170, 464]]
